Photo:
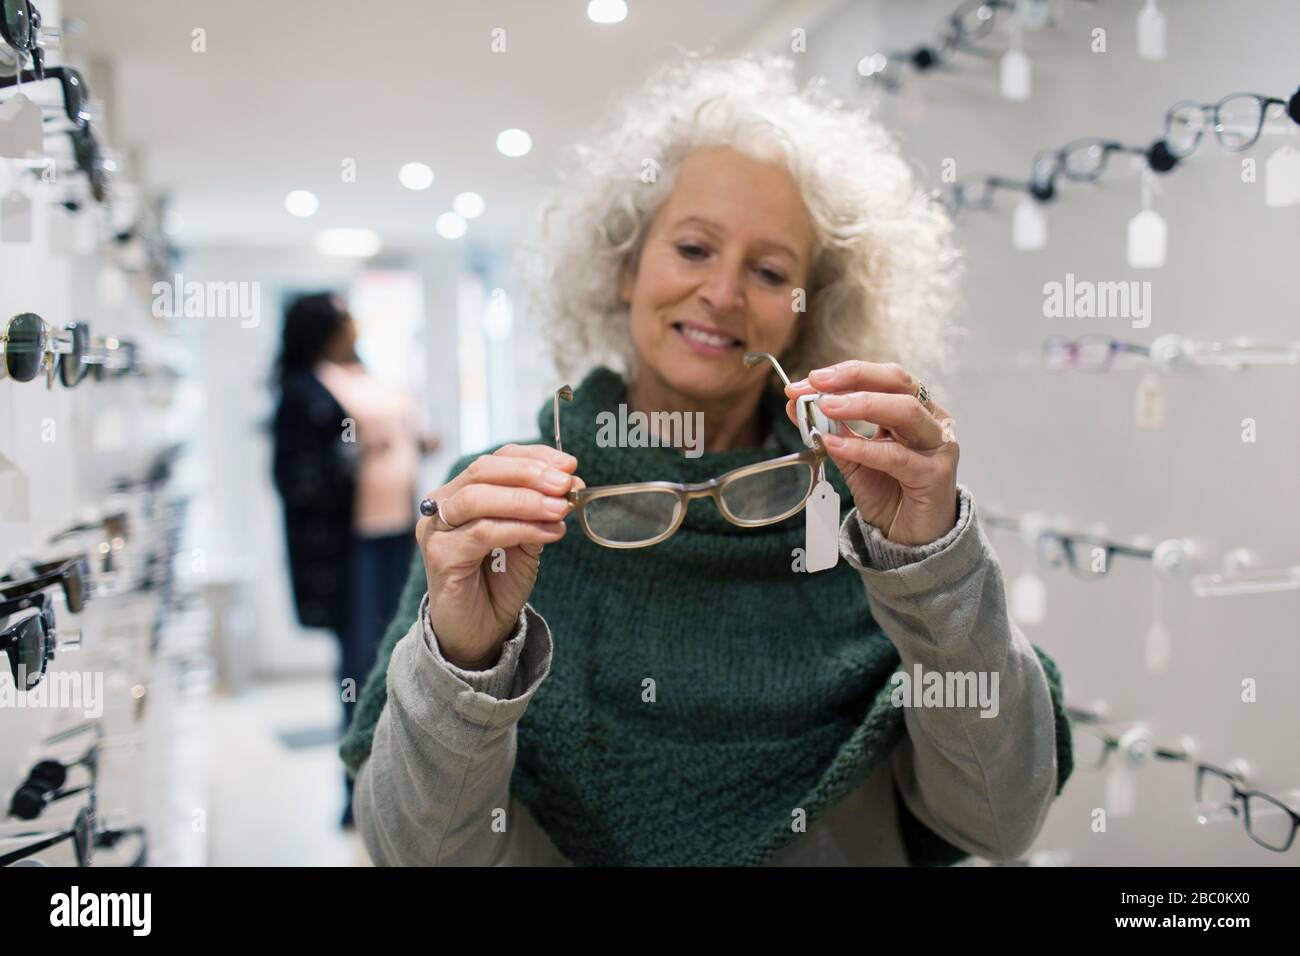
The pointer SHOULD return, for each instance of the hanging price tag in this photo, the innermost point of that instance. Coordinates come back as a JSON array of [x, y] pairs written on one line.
[[1147, 236], [1121, 787], [22, 135], [15, 217], [822, 527], [1157, 648], [1151, 32], [1028, 226], [1028, 599], [1149, 403], [1016, 75], [1282, 177]]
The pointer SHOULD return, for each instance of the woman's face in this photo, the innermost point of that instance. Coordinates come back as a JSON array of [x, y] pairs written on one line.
[[721, 259]]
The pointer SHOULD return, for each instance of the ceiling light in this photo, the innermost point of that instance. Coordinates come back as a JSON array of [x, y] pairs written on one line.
[[469, 205], [514, 142], [416, 176], [347, 242], [450, 225], [301, 203], [606, 11]]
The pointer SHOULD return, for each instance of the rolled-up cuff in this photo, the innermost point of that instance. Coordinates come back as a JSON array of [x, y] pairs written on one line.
[[892, 568]]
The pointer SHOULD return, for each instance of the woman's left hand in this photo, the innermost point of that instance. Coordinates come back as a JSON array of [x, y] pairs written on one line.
[[904, 480]]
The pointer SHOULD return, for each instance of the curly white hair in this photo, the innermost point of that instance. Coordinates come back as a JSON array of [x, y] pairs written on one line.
[[885, 271]]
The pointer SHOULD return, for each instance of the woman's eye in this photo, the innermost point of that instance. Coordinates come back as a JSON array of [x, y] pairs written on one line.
[[772, 277], [690, 250]]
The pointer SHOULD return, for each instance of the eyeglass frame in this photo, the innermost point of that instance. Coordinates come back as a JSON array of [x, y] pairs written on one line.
[[1067, 541], [1244, 797], [1043, 186], [814, 457], [1074, 346], [1291, 108], [1111, 743]]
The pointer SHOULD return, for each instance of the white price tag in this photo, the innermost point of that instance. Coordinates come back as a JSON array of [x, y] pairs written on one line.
[[1157, 648], [1282, 177], [1017, 76], [1151, 32], [15, 217], [1028, 226], [1147, 238], [1028, 599], [1121, 787], [1149, 402], [822, 527], [22, 134]]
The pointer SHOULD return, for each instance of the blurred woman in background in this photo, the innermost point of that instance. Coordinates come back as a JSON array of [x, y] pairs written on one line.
[[347, 452]]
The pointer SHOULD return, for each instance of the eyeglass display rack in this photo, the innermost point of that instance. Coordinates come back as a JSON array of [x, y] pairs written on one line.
[[100, 470]]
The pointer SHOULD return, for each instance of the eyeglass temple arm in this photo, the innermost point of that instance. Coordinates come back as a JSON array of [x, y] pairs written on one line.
[[563, 392], [33, 849]]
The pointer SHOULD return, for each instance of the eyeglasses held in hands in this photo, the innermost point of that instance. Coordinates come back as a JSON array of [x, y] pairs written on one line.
[[642, 514]]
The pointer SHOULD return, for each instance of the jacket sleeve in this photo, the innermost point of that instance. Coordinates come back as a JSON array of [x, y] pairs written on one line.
[[438, 774], [981, 778]]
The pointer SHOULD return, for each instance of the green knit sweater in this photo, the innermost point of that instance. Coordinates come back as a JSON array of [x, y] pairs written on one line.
[[771, 686]]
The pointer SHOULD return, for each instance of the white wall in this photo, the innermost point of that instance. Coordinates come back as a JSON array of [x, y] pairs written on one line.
[[1068, 444]]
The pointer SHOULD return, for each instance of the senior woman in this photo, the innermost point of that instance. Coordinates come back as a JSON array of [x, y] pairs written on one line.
[[705, 699]]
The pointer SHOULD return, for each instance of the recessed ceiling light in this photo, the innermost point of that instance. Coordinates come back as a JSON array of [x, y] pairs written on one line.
[[416, 176], [301, 203], [606, 11], [514, 142], [347, 242], [450, 225], [469, 205]]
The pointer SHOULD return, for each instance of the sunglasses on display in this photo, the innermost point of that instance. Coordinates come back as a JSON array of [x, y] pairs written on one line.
[[45, 784], [30, 642], [642, 514], [75, 92], [28, 343], [72, 575], [20, 25], [81, 833]]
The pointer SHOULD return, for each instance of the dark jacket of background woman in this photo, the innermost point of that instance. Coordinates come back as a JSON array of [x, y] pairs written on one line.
[[314, 472]]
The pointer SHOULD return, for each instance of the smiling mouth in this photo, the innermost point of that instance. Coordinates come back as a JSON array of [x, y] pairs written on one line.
[[707, 338]]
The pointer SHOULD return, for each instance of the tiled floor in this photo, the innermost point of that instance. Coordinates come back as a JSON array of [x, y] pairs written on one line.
[[272, 805]]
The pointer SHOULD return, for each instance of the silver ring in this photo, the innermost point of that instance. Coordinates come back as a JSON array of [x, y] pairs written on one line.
[[429, 508], [923, 394]]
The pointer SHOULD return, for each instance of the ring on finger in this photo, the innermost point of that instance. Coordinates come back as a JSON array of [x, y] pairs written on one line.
[[429, 508]]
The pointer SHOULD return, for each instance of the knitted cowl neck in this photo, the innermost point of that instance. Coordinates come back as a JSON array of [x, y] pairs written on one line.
[[770, 687]]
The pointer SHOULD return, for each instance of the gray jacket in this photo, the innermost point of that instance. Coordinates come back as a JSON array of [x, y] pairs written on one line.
[[435, 790]]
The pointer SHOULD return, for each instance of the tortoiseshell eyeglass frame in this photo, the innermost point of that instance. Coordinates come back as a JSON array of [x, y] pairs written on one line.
[[814, 457]]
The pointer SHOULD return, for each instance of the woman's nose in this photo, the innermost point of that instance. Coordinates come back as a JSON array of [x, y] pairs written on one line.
[[723, 286]]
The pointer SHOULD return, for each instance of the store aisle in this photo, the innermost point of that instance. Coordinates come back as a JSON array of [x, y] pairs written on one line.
[[277, 794]]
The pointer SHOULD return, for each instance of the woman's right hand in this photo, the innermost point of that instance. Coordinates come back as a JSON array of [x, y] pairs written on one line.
[[513, 499]]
